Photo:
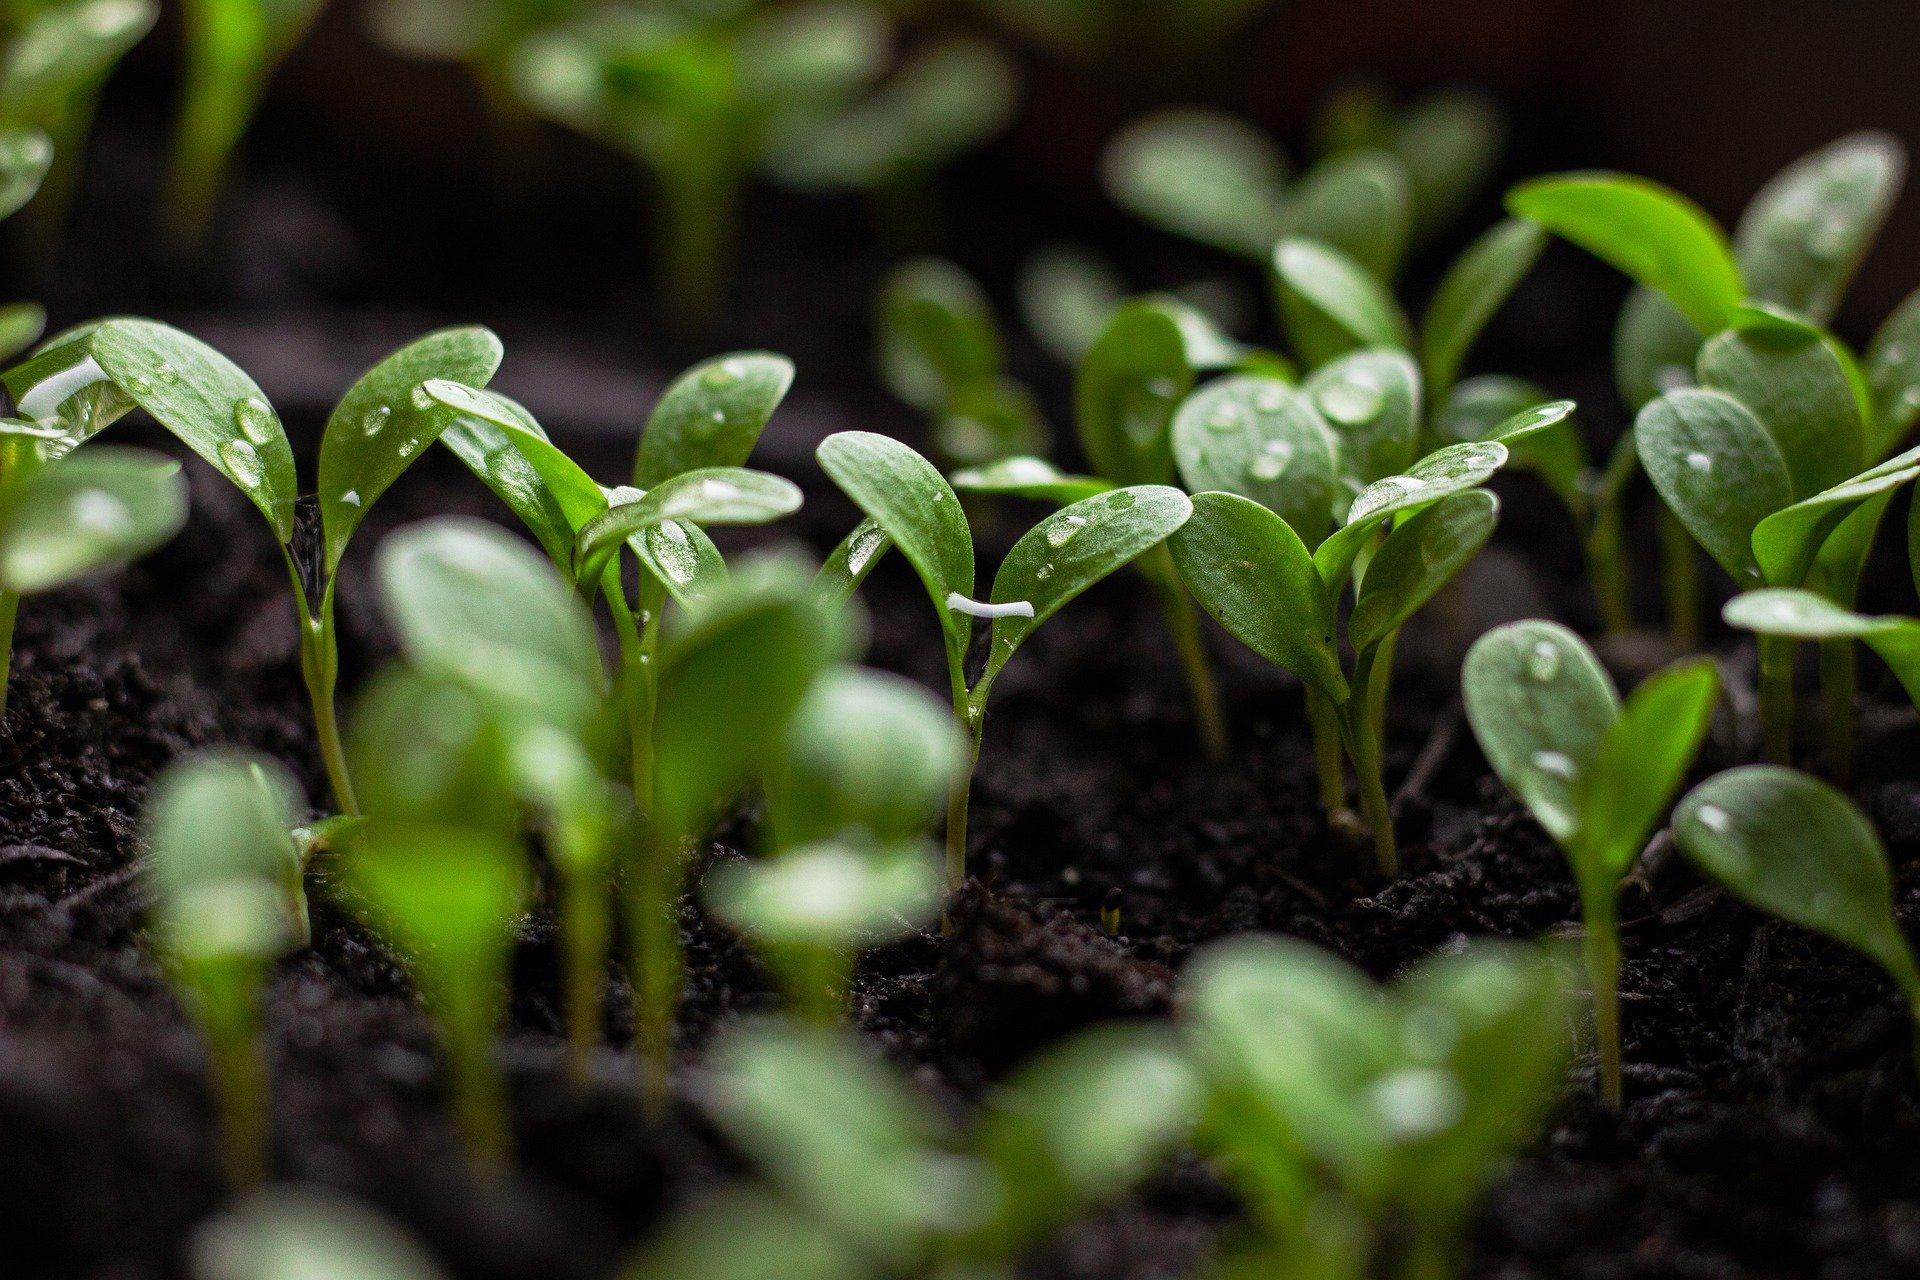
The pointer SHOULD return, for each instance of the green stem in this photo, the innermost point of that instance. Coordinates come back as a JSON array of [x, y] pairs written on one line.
[[225, 999], [638, 643], [1607, 570], [222, 79], [1329, 755], [320, 670], [1363, 746], [1680, 571], [1839, 681], [586, 926], [973, 718], [1776, 698], [1428, 1255], [478, 1100], [9, 610], [1601, 944], [698, 195], [653, 928], [818, 979], [1183, 624]]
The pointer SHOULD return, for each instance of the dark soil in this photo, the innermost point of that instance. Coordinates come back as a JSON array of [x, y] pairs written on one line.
[[1773, 1122]]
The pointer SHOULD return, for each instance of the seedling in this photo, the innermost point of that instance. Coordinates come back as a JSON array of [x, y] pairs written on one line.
[[1797, 848], [869, 761], [1804, 615], [940, 351], [228, 902], [1598, 776], [232, 47], [1399, 542], [873, 1180], [914, 508], [63, 517], [81, 381], [1402, 1102]]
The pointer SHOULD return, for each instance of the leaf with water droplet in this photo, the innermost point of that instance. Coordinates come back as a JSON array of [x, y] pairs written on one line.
[[684, 433], [1537, 429], [1330, 305], [1263, 440], [1532, 688], [851, 560], [1797, 848], [1800, 386], [681, 557], [1804, 235], [201, 407], [89, 511], [353, 458], [1452, 469], [1787, 543], [1373, 401], [706, 496], [1476, 286], [936, 332], [1028, 477], [1746, 480], [1803, 615]]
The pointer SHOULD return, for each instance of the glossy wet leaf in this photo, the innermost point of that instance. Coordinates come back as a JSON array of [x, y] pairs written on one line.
[[912, 503], [25, 157], [1263, 440], [711, 416], [1452, 469], [706, 496], [1652, 233], [89, 511], [937, 332], [682, 558], [1717, 469], [222, 864], [1253, 574], [380, 425], [1125, 394], [1331, 305], [1489, 405], [1803, 615], [1892, 369], [1372, 402], [1797, 848], [430, 748], [866, 753], [204, 398], [1418, 558], [1202, 175], [1787, 543], [851, 560], [471, 601], [1028, 477], [1792, 379], [1476, 286], [1360, 204], [63, 51], [1804, 235], [61, 385], [1074, 548], [836, 894], [285, 1233]]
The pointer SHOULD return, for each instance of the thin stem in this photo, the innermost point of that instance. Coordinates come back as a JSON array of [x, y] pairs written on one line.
[[320, 670], [1607, 570], [1363, 745], [653, 927], [586, 925], [1680, 572], [973, 718], [637, 645], [818, 979], [1428, 1255], [1329, 756], [225, 1000], [1776, 698], [1183, 624], [478, 1100], [9, 610], [1839, 681], [1601, 945]]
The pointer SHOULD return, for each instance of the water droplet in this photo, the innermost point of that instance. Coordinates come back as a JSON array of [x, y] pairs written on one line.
[[1700, 462], [166, 373], [1119, 500], [1063, 530], [719, 490], [254, 419], [1350, 402], [1044, 572], [673, 553], [242, 463], [421, 400], [407, 448], [101, 514], [720, 376], [139, 385], [864, 548], [718, 417], [1225, 417], [1268, 400], [350, 498], [1543, 661], [1555, 763], [1271, 461], [374, 421], [1714, 818], [1417, 1102]]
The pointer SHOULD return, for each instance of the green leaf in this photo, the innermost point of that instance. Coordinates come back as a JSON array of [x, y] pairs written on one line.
[[834, 894], [1787, 543], [1419, 557], [21, 324], [1331, 305], [1654, 348], [1450, 142], [1027, 477], [1805, 234], [1263, 440], [89, 511], [286, 1232], [25, 157], [1717, 469], [1358, 203], [1067, 295], [64, 51], [1488, 406], [706, 496], [851, 560], [1371, 400], [1476, 286], [1202, 175], [1071, 550], [1446, 471], [61, 385], [711, 416], [682, 558], [915, 507], [1125, 394], [1789, 375], [223, 866], [203, 398], [1892, 369], [937, 333], [1541, 706], [473, 602], [1626, 789], [1795, 847], [1803, 615], [383, 423], [742, 1233], [1652, 233], [867, 753], [1251, 572], [431, 749], [992, 419]]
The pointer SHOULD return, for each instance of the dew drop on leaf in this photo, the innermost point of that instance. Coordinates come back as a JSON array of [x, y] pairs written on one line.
[[1700, 462], [863, 549], [1064, 529], [1119, 500], [1044, 572], [166, 373], [1543, 662], [1714, 818], [374, 421], [351, 498], [1350, 402], [242, 463], [1268, 400], [254, 419], [139, 385], [1555, 763], [1271, 461]]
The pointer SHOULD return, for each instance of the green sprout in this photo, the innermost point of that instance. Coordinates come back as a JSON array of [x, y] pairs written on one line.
[[1797, 246], [1400, 541], [911, 506], [869, 762], [283, 1233], [868, 1178], [228, 902], [232, 47], [1803, 615], [1365, 1122], [940, 351], [81, 381], [1597, 775], [1797, 848], [65, 516]]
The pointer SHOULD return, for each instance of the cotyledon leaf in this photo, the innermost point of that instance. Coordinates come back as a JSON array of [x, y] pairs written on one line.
[[1126, 391], [1716, 468], [1892, 369], [1626, 789], [1029, 477], [1358, 203], [712, 415], [1445, 471], [705, 496], [1418, 558], [25, 156], [1331, 304], [1804, 615], [1263, 440], [94, 509], [1791, 378], [1371, 400], [1473, 289], [1804, 235], [1786, 543], [851, 560]]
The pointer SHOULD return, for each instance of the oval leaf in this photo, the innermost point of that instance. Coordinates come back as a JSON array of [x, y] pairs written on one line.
[[1717, 470], [1476, 286], [1331, 305], [89, 511], [1371, 400], [1126, 392], [709, 495], [1202, 175], [1453, 469], [1790, 377], [711, 416], [1028, 477], [1804, 235], [1263, 440], [1358, 203]]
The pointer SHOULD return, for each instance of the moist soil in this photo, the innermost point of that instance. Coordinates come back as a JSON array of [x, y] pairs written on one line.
[[1772, 1122]]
